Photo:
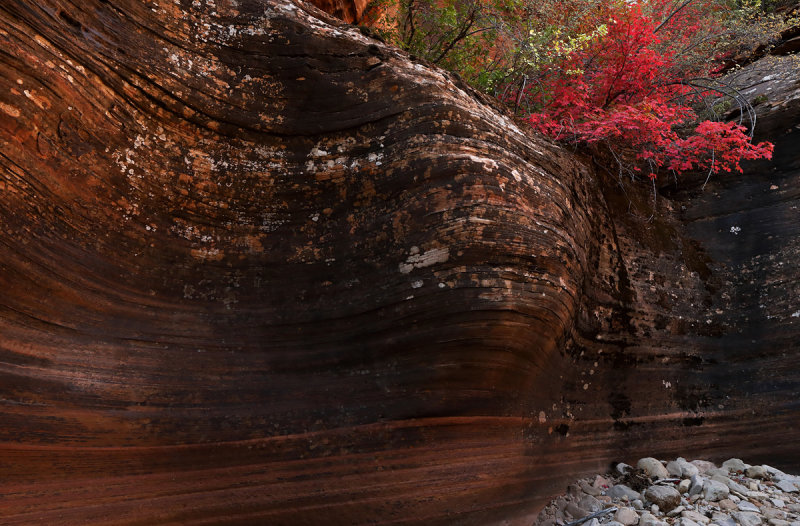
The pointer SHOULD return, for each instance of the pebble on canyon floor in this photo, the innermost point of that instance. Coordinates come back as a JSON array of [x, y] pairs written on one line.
[[679, 493]]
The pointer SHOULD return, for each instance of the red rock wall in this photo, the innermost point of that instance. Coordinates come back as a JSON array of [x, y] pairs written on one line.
[[258, 268]]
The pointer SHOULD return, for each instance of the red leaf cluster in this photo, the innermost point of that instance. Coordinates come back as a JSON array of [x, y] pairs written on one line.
[[626, 87]]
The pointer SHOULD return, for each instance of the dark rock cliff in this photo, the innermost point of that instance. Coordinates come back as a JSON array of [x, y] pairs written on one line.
[[258, 268]]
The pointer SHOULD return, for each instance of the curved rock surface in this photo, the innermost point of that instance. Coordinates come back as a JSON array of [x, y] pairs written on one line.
[[259, 268]]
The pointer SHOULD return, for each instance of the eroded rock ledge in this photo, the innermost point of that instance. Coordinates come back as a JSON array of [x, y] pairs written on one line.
[[260, 268]]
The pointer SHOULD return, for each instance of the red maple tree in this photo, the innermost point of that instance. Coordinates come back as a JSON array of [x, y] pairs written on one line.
[[630, 87]]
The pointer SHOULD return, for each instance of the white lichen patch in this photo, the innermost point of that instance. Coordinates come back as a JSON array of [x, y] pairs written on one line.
[[425, 259]]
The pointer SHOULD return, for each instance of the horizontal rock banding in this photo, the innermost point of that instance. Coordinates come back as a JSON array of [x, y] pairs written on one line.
[[259, 267]]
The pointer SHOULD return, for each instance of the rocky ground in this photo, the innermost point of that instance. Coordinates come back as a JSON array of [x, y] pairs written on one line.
[[679, 493]]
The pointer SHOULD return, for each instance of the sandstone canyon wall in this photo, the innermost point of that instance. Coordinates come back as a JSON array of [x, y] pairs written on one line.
[[259, 268]]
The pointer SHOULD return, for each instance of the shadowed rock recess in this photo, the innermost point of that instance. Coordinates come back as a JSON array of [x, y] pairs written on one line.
[[259, 268]]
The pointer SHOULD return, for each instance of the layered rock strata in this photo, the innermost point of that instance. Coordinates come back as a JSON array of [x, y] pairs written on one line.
[[257, 267]]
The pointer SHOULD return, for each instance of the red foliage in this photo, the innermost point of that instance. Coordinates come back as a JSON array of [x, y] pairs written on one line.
[[626, 87]]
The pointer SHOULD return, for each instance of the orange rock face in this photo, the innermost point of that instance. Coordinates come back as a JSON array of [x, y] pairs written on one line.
[[257, 268], [350, 11]]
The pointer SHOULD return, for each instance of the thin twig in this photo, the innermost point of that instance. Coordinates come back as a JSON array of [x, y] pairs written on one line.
[[710, 169], [669, 17]]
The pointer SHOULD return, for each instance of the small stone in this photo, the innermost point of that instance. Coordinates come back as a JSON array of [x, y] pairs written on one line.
[[615, 523], [637, 504], [746, 505], [590, 504], [714, 490], [703, 465], [727, 504], [654, 509], [575, 511], [746, 518], [734, 464], [626, 516], [676, 511], [779, 522], [621, 490], [723, 519], [786, 486], [756, 472], [772, 513], [732, 485], [753, 485], [717, 471], [589, 489], [756, 495], [648, 519], [684, 486], [697, 485], [664, 497], [682, 469], [623, 468], [687, 522], [601, 483], [696, 517], [653, 467], [593, 522], [778, 503], [574, 490]]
